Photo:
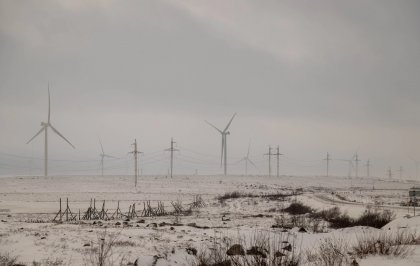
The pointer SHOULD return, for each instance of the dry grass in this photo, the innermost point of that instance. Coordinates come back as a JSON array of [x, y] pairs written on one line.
[[261, 249], [396, 244], [330, 252]]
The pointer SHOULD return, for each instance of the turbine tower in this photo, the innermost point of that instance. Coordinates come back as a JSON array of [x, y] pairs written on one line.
[[368, 164], [224, 133], [44, 127], [103, 156], [356, 160], [328, 159]]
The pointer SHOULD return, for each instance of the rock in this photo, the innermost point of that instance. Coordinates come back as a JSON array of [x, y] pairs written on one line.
[[288, 247], [9, 215], [192, 251], [142, 221], [86, 245], [127, 220], [302, 230], [256, 251], [236, 249], [117, 223], [223, 263], [354, 263], [162, 224], [172, 228], [44, 237], [154, 225], [94, 222], [279, 254]]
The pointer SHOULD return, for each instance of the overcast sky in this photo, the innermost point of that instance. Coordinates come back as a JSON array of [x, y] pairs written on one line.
[[310, 76]]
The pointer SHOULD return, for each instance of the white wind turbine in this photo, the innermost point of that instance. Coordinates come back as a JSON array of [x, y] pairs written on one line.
[[247, 160], [224, 133], [44, 127], [103, 156]]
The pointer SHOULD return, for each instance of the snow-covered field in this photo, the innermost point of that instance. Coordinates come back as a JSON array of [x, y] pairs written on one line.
[[28, 204]]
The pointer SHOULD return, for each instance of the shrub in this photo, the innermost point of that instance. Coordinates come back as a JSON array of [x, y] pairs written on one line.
[[298, 208], [233, 195], [399, 244], [7, 260], [375, 218], [369, 217], [330, 252], [101, 253]]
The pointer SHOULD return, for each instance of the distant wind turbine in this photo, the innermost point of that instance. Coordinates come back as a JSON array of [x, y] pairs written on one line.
[[103, 156], [417, 166], [44, 127], [224, 133], [247, 160]]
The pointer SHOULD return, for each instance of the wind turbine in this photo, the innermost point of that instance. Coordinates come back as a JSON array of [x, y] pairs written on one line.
[[247, 160], [417, 166], [224, 133], [44, 127], [103, 156], [350, 162]]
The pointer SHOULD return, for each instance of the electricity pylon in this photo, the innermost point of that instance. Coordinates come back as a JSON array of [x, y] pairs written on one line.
[[172, 149], [135, 152]]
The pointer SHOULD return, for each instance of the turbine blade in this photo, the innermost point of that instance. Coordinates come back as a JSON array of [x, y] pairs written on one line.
[[213, 126], [58, 133], [251, 162], [102, 148], [109, 156], [228, 125], [49, 103], [39, 132]]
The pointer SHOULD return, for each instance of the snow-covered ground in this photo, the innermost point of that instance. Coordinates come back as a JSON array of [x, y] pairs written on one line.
[[28, 204]]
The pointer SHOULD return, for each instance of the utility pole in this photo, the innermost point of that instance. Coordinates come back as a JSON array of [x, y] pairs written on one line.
[[389, 173], [368, 168], [328, 159], [135, 152], [269, 160], [172, 149], [278, 159], [356, 160]]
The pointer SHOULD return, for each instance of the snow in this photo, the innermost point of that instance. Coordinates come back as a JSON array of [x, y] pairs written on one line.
[[29, 199]]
